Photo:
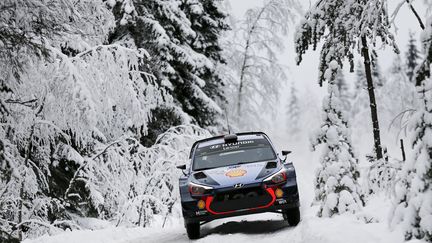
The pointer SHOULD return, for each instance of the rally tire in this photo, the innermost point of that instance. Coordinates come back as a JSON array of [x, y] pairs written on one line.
[[193, 230], [292, 216]]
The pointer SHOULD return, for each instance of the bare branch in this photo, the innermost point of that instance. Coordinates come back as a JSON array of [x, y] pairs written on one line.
[[416, 14]]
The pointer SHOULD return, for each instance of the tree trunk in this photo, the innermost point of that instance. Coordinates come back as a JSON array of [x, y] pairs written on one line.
[[403, 150], [240, 89], [372, 101], [245, 59]]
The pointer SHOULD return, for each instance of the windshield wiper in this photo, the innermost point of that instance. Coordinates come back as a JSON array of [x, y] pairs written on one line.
[[244, 162], [248, 162]]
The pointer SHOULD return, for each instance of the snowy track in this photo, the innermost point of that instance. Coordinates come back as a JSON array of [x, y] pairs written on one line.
[[269, 227], [256, 228], [262, 227]]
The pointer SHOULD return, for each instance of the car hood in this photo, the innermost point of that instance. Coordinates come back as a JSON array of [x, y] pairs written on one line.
[[244, 173]]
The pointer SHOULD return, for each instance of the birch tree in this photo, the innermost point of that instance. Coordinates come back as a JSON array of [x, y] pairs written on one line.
[[252, 54]]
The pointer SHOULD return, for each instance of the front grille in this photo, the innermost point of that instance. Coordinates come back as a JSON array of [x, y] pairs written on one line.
[[240, 199]]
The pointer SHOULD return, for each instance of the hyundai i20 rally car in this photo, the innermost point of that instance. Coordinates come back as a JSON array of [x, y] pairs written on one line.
[[236, 174]]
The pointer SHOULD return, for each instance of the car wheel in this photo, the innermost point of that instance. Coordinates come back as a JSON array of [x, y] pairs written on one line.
[[193, 230], [292, 216]]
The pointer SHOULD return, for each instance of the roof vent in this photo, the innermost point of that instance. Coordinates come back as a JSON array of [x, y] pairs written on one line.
[[230, 138], [271, 165], [200, 175]]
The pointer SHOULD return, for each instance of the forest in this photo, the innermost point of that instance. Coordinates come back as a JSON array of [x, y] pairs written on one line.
[[100, 100]]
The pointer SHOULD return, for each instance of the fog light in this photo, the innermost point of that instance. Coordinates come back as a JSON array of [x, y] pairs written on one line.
[[201, 204], [278, 193]]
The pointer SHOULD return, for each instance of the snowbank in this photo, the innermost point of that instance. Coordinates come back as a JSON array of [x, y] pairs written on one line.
[[257, 228]]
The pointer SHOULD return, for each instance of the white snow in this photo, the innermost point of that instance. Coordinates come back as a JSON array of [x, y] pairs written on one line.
[[267, 227]]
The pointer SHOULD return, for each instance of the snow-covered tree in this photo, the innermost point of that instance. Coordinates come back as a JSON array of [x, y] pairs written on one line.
[[129, 183], [359, 96], [81, 97], [413, 193], [253, 69], [77, 99], [292, 112], [378, 78], [183, 39], [360, 93], [412, 57], [336, 185], [361, 83], [347, 26], [398, 95], [344, 91]]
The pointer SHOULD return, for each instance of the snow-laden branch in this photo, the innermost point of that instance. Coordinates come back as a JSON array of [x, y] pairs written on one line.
[[84, 165]]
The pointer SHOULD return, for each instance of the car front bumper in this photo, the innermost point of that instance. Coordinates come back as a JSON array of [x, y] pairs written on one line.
[[192, 213]]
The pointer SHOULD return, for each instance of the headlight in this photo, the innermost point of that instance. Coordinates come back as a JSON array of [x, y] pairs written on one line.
[[198, 190], [277, 178]]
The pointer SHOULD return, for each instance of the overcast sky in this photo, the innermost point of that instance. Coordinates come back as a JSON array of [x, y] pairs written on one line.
[[305, 75]]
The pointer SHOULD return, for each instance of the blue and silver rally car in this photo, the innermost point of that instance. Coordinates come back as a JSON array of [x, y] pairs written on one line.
[[236, 174]]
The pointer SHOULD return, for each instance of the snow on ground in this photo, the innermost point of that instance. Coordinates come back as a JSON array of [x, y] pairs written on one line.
[[263, 227], [256, 228]]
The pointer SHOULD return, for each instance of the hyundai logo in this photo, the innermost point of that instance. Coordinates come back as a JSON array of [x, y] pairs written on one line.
[[238, 185]]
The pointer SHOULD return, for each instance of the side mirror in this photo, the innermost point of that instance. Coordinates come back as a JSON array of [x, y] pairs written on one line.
[[285, 152], [181, 167]]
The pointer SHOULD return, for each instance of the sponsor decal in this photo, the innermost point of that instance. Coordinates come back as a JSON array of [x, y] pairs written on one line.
[[236, 173], [215, 146], [230, 146], [281, 201], [201, 212], [236, 145]]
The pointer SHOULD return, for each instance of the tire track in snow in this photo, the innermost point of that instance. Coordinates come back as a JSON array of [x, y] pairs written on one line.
[[256, 228]]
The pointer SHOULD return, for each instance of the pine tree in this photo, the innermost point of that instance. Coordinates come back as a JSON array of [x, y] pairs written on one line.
[[292, 112], [345, 25], [183, 38], [344, 91], [414, 191], [359, 95], [336, 186], [412, 57], [378, 79], [361, 83]]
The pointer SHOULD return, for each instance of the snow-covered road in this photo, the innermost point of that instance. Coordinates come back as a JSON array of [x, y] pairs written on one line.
[[266, 227], [256, 228], [231, 230], [271, 227]]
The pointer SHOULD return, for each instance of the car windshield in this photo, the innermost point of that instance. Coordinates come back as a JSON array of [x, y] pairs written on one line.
[[245, 151]]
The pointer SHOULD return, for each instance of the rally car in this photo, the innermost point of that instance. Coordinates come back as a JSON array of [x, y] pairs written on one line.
[[236, 174]]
